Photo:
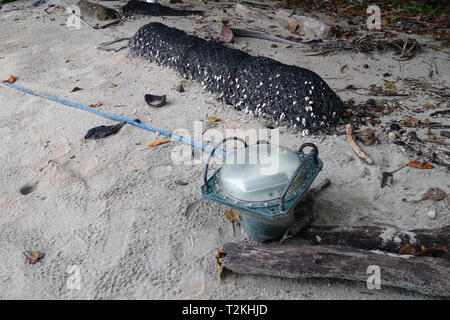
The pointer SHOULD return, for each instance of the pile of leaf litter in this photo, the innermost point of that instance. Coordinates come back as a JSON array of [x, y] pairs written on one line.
[[429, 18]]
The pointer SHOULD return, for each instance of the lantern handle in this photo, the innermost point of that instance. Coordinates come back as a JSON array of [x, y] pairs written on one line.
[[315, 150], [205, 174], [313, 154]]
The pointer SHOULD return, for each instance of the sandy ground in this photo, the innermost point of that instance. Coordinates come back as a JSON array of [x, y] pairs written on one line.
[[110, 210]]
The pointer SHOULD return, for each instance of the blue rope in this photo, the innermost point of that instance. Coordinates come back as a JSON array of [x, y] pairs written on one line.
[[116, 118]]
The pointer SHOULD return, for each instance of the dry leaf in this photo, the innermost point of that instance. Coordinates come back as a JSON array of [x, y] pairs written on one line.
[[436, 48], [412, 122], [293, 26], [219, 255], [232, 216], [11, 79], [213, 119], [435, 194], [420, 165], [226, 35], [34, 256], [181, 183], [407, 249], [428, 105], [113, 85], [96, 105], [390, 86], [157, 143], [76, 89]]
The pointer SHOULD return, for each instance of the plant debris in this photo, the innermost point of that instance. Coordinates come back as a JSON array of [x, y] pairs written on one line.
[[420, 165], [103, 131], [74, 89], [219, 255], [157, 143], [11, 79], [34, 256], [226, 35]]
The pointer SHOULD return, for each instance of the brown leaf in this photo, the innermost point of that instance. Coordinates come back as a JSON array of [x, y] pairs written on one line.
[[407, 249], [157, 143], [96, 105], [219, 255], [180, 88], [113, 85], [435, 194], [181, 183], [226, 35], [412, 122], [34, 256], [293, 26], [232, 216], [428, 105], [11, 79], [75, 89]]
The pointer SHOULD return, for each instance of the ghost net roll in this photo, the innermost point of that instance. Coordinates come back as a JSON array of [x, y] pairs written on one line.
[[259, 85]]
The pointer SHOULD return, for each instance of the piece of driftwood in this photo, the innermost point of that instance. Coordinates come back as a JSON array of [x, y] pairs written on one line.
[[426, 275], [355, 147], [264, 36], [307, 24], [377, 238]]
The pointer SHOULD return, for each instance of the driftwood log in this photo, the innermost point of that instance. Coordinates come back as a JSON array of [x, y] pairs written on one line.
[[377, 238], [426, 275]]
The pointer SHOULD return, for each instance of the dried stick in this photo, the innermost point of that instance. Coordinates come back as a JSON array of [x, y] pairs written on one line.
[[355, 147]]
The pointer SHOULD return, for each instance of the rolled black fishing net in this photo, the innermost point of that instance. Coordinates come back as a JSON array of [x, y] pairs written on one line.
[[155, 9], [259, 85]]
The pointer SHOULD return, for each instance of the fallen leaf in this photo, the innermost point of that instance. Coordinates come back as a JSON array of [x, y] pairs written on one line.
[[181, 183], [113, 85], [34, 256], [198, 21], [11, 79], [232, 216], [436, 48], [390, 86], [428, 105], [213, 119], [420, 165], [293, 26], [407, 249], [226, 35], [157, 143], [412, 122], [219, 255], [435, 194], [75, 89], [96, 105], [180, 88], [343, 67]]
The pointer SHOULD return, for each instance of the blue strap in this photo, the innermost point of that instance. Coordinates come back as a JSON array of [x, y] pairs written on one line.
[[116, 118]]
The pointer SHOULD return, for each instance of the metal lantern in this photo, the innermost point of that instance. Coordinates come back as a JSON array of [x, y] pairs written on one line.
[[263, 183]]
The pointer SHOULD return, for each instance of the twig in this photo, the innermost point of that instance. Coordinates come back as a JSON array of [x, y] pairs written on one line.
[[355, 147], [445, 143]]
